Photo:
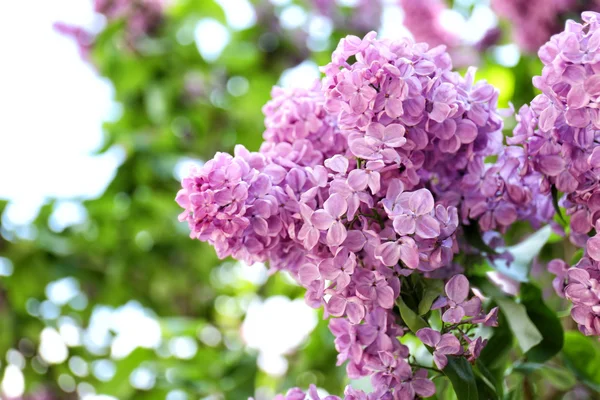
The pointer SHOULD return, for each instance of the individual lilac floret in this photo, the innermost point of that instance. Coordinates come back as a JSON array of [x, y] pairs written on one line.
[[415, 384], [457, 291], [559, 268], [489, 319], [474, 348], [413, 214], [443, 345], [329, 219]]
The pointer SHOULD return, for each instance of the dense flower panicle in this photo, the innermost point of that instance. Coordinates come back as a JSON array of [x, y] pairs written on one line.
[[297, 117], [559, 133], [358, 185], [581, 285], [402, 106], [230, 205]]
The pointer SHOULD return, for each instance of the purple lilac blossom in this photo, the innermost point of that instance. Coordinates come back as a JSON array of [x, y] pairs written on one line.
[[443, 345], [559, 133], [361, 182]]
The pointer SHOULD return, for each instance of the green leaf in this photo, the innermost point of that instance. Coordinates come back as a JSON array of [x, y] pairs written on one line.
[[515, 394], [576, 257], [488, 386], [558, 376], [461, 375], [582, 356], [525, 331], [519, 322], [546, 322], [523, 255], [433, 289], [496, 351], [412, 320]]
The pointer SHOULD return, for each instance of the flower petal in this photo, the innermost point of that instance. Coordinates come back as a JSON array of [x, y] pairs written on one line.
[[457, 288]]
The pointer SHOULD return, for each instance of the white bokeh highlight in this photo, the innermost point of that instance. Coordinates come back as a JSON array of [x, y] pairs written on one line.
[[276, 327]]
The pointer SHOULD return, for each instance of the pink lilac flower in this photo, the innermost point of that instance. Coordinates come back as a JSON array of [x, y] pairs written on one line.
[[558, 132], [329, 219], [443, 345], [457, 291], [559, 268], [297, 117], [352, 191], [583, 289], [475, 346], [489, 319], [415, 384], [414, 215]]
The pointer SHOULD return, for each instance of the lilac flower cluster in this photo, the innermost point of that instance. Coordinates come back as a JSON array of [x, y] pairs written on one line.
[[373, 346], [581, 285], [404, 110], [559, 134], [534, 21], [361, 182]]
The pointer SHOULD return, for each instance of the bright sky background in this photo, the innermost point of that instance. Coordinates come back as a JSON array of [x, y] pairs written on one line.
[[51, 108]]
